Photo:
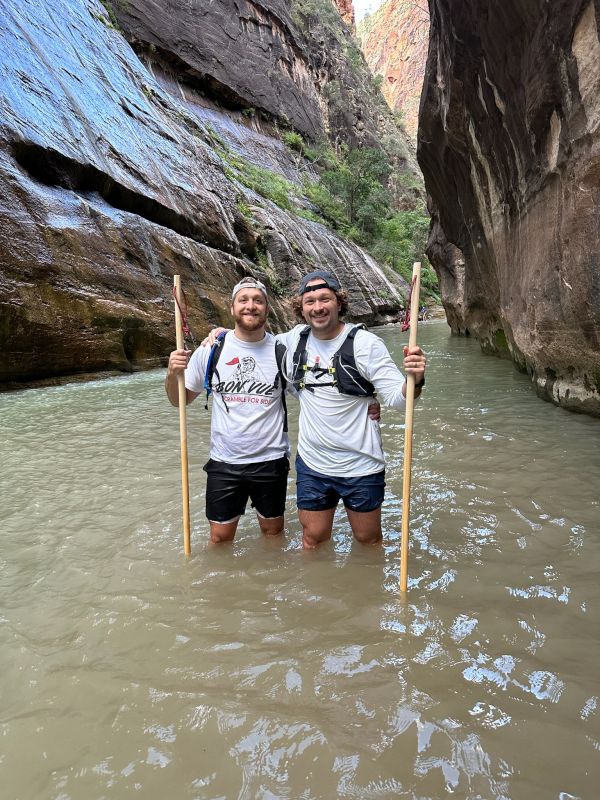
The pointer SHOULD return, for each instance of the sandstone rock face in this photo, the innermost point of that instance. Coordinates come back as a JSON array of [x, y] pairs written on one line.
[[243, 52], [509, 145], [354, 109], [117, 174], [346, 10], [394, 40]]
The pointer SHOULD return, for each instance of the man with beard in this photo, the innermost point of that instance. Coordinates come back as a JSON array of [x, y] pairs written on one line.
[[249, 446], [337, 368]]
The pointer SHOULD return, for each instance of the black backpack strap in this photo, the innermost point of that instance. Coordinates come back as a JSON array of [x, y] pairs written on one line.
[[299, 360], [280, 379], [211, 365], [360, 326], [349, 379]]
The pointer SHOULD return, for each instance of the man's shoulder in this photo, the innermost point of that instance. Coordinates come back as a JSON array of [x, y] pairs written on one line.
[[230, 340], [367, 342], [363, 335], [288, 338], [199, 356]]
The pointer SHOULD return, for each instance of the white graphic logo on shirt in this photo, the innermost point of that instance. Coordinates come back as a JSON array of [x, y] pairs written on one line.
[[244, 382]]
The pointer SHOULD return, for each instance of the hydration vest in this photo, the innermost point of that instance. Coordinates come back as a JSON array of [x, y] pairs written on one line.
[[344, 373], [211, 370]]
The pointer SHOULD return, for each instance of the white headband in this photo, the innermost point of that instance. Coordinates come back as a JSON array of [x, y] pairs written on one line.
[[249, 283]]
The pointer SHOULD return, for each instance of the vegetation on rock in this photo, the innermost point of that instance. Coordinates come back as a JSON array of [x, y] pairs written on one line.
[[368, 189], [352, 198]]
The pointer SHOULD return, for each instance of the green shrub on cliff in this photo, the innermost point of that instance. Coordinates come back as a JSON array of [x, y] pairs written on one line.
[[352, 198], [293, 140], [401, 240], [112, 18], [264, 182], [307, 14], [357, 179], [330, 209]]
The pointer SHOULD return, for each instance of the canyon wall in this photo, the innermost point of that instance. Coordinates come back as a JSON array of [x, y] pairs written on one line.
[[346, 9], [394, 40], [135, 139], [509, 145]]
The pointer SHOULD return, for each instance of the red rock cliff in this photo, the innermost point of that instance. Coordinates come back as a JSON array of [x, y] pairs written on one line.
[[346, 10], [394, 41]]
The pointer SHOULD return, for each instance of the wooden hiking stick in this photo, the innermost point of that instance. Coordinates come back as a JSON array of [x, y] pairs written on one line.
[[410, 402], [185, 486]]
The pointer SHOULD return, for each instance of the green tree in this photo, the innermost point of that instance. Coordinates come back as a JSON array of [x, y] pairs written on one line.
[[361, 173], [402, 240]]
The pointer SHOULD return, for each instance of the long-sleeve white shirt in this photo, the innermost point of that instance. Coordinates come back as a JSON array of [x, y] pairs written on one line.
[[336, 436]]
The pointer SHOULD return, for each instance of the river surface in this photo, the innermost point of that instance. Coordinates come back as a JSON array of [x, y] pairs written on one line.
[[260, 671]]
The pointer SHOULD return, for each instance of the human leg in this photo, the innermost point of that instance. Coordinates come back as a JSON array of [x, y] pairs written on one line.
[[363, 497], [271, 526], [316, 526], [223, 532], [317, 501], [267, 487], [366, 525], [226, 498]]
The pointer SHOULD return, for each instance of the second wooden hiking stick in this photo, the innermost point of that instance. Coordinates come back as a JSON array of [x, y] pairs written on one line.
[[408, 429], [185, 486]]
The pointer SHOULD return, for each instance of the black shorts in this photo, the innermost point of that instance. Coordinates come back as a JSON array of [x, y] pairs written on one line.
[[229, 486]]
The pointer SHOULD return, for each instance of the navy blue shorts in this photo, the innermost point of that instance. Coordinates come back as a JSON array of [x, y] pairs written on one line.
[[228, 487], [317, 492]]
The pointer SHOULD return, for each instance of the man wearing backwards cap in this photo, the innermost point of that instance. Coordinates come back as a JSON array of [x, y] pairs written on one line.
[[249, 447], [340, 455]]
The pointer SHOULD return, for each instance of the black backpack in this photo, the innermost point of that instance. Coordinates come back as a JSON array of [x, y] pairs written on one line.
[[344, 372]]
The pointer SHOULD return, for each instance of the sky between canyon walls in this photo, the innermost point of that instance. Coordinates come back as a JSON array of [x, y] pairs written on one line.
[[362, 7]]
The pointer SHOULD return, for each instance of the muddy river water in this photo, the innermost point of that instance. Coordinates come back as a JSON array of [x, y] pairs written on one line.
[[260, 671]]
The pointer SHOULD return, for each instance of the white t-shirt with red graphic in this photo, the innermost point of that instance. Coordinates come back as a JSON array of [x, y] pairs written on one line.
[[247, 413]]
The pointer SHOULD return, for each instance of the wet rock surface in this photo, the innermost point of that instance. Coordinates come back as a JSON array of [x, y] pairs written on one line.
[[509, 145], [112, 184], [242, 52]]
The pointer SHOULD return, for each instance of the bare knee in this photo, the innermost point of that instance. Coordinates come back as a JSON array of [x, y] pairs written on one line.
[[366, 525], [316, 527], [218, 537], [368, 537], [312, 538], [271, 526], [220, 534]]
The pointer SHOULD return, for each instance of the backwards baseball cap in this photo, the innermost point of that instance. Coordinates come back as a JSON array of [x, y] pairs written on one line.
[[249, 283], [327, 281]]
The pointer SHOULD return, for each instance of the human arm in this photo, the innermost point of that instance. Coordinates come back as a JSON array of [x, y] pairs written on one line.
[[178, 363], [375, 363]]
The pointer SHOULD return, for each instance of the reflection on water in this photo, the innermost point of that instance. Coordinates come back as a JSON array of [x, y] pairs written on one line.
[[261, 671]]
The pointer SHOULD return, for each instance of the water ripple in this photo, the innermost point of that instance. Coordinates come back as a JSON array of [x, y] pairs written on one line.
[[260, 671]]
